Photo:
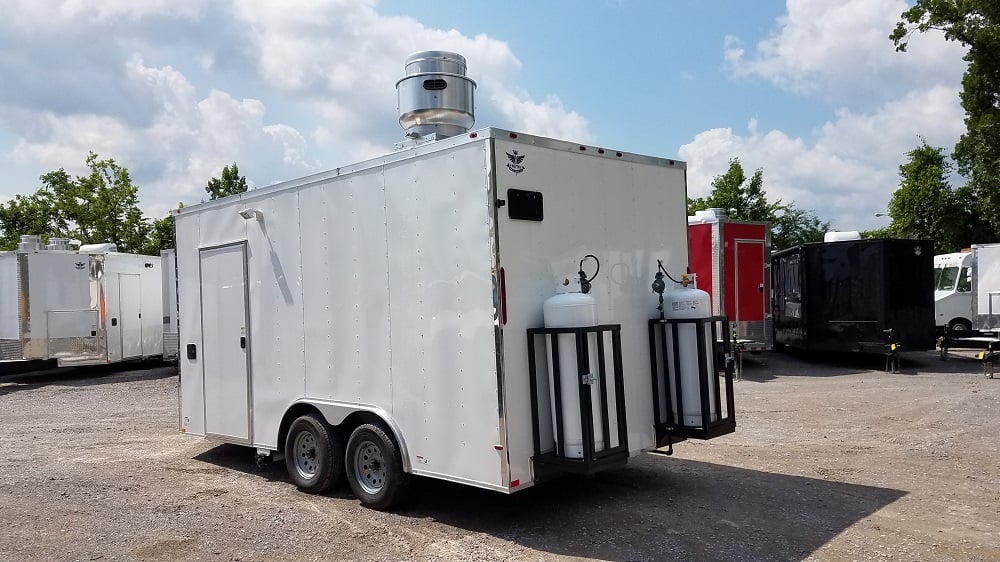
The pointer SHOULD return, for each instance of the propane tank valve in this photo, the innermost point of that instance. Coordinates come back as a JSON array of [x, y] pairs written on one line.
[[584, 280], [659, 285]]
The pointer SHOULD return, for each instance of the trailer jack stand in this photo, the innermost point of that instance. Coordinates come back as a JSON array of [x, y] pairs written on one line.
[[669, 452], [989, 359], [263, 458], [942, 345], [892, 358]]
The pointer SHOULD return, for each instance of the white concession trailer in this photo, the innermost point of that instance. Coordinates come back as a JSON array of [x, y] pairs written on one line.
[[386, 319], [81, 307]]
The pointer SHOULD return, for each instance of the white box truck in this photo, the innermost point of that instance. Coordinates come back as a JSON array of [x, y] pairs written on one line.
[[953, 292], [385, 319], [81, 307]]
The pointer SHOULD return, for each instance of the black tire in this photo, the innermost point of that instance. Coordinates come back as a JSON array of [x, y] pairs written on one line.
[[959, 325], [375, 468], [314, 454]]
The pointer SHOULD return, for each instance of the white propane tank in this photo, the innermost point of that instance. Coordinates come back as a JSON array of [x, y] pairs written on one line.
[[690, 303], [573, 309]]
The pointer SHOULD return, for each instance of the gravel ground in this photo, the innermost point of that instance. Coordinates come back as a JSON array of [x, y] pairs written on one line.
[[831, 461]]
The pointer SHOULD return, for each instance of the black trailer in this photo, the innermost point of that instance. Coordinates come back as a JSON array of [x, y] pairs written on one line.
[[873, 295]]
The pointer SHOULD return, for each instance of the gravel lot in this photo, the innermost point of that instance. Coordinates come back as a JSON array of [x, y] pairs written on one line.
[[831, 461]]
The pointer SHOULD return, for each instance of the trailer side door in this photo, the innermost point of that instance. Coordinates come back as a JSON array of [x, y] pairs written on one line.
[[130, 314], [226, 341], [750, 303]]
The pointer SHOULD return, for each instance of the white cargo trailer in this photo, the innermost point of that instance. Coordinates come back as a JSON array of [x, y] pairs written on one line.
[[386, 319], [986, 287], [168, 267], [81, 307]]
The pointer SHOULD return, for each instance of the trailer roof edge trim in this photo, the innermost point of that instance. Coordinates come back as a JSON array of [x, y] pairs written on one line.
[[435, 146]]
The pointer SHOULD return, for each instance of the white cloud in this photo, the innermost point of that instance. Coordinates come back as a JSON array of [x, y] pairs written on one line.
[[181, 89], [841, 50], [342, 60], [187, 142], [548, 118], [54, 13], [848, 170]]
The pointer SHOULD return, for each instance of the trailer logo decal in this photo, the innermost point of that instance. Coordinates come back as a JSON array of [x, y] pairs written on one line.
[[515, 162], [80, 265]]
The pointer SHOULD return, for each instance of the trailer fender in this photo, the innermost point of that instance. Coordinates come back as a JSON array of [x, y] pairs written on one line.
[[336, 412]]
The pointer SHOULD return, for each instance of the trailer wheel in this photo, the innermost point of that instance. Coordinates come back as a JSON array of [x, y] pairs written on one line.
[[959, 325], [314, 454], [374, 467]]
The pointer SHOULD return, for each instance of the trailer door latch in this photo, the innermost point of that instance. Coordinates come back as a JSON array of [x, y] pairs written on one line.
[[588, 378]]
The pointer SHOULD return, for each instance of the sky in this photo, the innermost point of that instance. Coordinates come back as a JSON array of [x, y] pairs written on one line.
[[810, 91]]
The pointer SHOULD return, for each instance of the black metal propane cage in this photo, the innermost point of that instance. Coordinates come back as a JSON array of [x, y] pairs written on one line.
[[714, 358], [593, 458]]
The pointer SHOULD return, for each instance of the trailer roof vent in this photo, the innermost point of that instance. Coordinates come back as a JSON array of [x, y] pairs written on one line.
[[435, 98], [30, 243], [99, 248], [58, 244], [835, 236], [708, 215]]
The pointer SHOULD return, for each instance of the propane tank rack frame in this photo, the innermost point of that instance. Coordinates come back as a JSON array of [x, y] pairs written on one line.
[[592, 460], [669, 422]]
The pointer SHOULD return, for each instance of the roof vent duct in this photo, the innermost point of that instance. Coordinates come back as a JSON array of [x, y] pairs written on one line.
[[29, 243], [58, 244], [435, 97]]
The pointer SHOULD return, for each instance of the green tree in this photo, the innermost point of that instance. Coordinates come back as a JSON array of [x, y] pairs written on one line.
[[745, 199], [976, 25], [925, 205], [880, 232], [161, 235], [29, 214], [792, 226], [230, 183], [101, 206]]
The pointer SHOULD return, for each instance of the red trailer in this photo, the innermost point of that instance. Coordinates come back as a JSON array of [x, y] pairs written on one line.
[[731, 261]]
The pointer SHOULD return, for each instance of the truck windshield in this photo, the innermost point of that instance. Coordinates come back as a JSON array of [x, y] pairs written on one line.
[[944, 278]]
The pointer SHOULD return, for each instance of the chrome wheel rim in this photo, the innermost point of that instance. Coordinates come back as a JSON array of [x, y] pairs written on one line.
[[306, 463], [369, 466]]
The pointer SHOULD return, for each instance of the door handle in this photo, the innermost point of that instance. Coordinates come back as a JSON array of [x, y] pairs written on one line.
[[760, 288], [243, 342]]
